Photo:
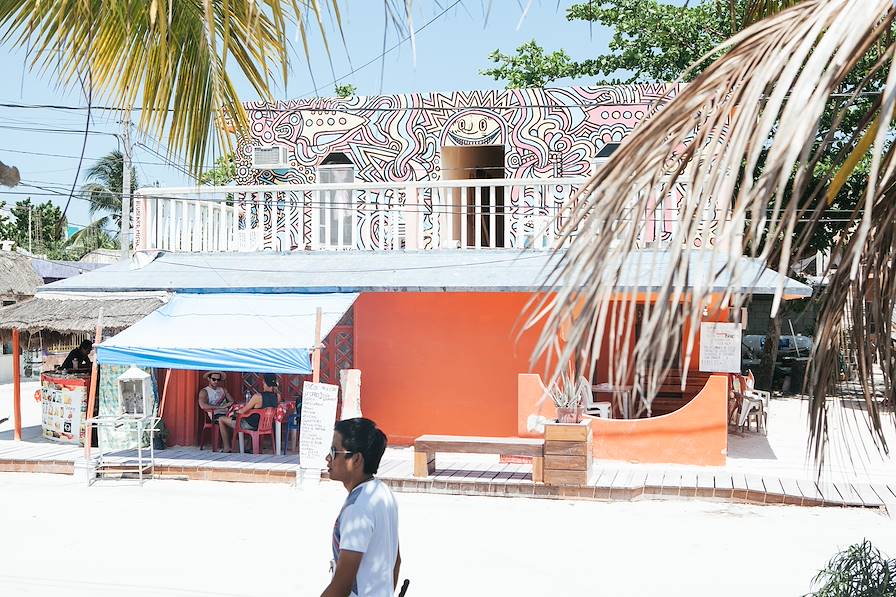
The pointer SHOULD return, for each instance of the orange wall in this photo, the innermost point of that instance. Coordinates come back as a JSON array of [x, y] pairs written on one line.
[[697, 433], [444, 363], [181, 402]]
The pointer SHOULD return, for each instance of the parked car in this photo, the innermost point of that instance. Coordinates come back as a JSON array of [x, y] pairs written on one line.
[[791, 361]]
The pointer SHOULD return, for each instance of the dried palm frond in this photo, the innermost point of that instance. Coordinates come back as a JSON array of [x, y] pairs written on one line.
[[744, 134], [168, 57]]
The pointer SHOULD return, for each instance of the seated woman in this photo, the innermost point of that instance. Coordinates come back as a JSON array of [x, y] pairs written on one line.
[[214, 399], [268, 398]]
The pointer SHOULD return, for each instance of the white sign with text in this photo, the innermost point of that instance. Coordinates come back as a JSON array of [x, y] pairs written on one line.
[[318, 419], [720, 347]]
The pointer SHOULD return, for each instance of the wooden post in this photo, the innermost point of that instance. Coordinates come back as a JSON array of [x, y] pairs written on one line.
[[91, 395], [16, 385], [164, 392], [315, 356]]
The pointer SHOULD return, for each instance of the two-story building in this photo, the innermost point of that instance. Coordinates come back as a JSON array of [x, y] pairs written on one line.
[[432, 213]]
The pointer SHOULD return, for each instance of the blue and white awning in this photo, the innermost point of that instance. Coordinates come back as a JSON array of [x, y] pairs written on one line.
[[271, 333]]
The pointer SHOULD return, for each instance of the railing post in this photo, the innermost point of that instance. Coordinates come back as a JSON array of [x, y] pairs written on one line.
[[411, 218]]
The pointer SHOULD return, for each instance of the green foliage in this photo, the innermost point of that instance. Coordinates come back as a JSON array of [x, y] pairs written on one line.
[[531, 67], [860, 570], [346, 90], [223, 172], [46, 226], [652, 40]]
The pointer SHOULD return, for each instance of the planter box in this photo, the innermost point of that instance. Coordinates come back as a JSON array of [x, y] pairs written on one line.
[[567, 453]]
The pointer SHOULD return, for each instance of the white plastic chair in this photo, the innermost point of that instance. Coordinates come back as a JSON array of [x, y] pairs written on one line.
[[754, 406], [595, 409]]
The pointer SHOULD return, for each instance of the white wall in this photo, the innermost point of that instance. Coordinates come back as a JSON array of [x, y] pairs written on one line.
[[6, 368]]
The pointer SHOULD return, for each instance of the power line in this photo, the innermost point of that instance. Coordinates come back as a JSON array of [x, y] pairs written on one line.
[[74, 157]]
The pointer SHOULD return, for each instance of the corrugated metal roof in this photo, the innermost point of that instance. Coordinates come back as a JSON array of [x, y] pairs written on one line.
[[496, 270], [49, 268]]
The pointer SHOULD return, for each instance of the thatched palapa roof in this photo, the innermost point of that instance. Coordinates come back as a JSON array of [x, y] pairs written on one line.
[[54, 313], [17, 278]]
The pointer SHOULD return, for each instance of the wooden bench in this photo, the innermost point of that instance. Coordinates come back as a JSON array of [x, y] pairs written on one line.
[[426, 446]]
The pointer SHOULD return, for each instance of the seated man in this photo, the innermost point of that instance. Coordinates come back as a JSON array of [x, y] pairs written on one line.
[[268, 398], [79, 358], [214, 399]]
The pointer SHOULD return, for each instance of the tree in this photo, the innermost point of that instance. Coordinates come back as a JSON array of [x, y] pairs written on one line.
[[531, 67], [346, 90], [771, 131], [223, 172], [164, 54], [34, 226], [103, 195], [103, 189], [652, 41]]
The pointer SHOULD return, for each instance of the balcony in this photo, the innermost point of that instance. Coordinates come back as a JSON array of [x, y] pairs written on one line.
[[422, 215]]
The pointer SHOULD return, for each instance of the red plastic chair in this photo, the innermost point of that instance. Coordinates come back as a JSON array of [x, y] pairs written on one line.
[[265, 427], [211, 427]]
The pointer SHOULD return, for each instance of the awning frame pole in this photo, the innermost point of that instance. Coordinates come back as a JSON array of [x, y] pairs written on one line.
[[315, 357], [16, 385], [91, 395]]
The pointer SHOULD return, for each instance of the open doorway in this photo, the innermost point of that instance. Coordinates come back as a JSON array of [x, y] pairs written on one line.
[[476, 162]]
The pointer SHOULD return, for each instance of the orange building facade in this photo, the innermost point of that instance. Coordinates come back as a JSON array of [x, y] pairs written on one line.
[[449, 363]]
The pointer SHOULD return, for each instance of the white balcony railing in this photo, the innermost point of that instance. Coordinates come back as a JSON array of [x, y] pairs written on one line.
[[482, 214]]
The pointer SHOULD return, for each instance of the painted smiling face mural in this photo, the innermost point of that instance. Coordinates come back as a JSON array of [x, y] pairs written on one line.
[[474, 127]]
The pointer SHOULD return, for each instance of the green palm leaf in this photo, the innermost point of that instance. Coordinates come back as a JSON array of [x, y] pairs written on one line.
[[168, 57]]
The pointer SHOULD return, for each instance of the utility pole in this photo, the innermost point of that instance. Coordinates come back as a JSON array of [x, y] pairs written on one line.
[[124, 238], [30, 210]]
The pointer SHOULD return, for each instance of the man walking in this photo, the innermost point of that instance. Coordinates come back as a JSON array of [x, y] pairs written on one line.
[[366, 557]]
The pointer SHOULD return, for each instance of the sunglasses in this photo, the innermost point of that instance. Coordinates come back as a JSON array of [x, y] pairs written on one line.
[[334, 452], [214, 378]]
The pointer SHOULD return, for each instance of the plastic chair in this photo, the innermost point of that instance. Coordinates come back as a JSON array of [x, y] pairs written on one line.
[[595, 409], [265, 427], [209, 426], [293, 423], [759, 400]]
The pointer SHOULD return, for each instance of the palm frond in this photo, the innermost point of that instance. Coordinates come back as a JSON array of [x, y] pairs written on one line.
[[744, 133], [168, 57]]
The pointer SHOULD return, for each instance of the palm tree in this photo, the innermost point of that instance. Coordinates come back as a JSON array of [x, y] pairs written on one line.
[[103, 191], [167, 57], [103, 195], [749, 134]]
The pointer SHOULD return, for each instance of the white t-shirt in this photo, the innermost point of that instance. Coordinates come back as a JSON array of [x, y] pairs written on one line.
[[368, 523]]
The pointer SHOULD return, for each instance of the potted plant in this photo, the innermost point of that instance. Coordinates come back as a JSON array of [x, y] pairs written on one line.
[[567, 394]]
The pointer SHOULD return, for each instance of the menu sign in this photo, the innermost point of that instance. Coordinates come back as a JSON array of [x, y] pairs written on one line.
[[720, 347], [318, 418]]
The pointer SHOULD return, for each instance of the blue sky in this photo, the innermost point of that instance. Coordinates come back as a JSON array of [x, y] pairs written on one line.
[[450, 52]]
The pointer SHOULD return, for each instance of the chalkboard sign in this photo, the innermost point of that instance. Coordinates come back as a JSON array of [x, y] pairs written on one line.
[[318, 419], [720, 347]]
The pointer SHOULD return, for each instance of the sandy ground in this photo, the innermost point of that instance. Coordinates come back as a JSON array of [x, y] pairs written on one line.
[[202, 538]]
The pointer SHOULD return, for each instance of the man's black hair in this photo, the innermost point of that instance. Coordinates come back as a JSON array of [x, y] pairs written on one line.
[[362, 436], [271, 380], [85, 345]]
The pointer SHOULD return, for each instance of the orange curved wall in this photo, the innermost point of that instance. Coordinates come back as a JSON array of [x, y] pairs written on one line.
[[697, 433], [444, 363]]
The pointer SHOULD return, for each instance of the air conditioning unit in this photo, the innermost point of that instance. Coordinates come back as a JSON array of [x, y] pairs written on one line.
[[265, 158]]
